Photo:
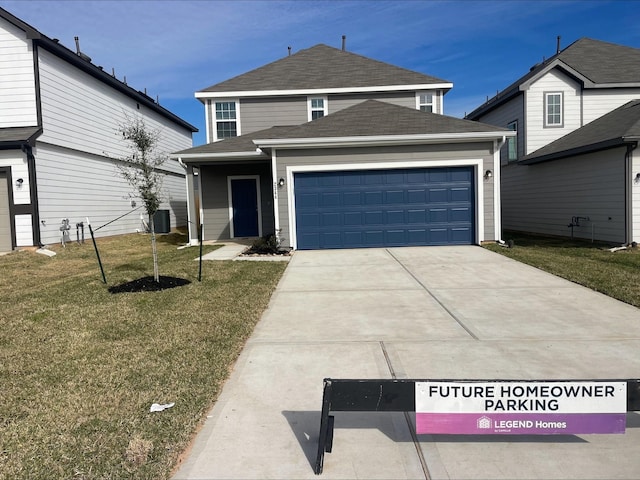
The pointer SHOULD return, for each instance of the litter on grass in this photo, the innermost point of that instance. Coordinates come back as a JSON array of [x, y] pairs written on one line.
[[156, 407]]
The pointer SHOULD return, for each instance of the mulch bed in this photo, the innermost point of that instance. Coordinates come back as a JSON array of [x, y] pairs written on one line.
[[148, 284]]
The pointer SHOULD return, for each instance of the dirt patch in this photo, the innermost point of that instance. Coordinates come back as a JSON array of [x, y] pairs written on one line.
[[148, 284]]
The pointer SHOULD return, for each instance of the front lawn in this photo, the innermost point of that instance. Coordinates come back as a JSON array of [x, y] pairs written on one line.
[[80, 367], [616, 274]]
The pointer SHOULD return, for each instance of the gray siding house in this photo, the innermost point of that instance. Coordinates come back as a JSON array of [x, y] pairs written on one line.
[[59, 121], [570, 170], [329, 149]]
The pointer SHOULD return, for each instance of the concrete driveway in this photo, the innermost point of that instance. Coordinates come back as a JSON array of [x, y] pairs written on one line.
[[432, 312]]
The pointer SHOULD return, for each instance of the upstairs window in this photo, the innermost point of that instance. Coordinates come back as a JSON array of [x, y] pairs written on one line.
[[226, 120], [425, 102], [317, 107], [553, 110], [512, 143]]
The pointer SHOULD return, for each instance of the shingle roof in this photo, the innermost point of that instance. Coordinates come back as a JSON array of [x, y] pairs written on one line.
[[368, 119], [615, 128], [322, 66], [243, 143], [14, 137], [597, 61], [603, 62], [375, 118]]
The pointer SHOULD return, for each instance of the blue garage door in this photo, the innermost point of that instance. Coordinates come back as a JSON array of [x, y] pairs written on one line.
[[385, 208]]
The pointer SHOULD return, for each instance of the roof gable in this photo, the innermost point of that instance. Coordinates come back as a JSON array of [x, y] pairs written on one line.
[[323, 67], [596, 64], [613, 129], [86, 66]]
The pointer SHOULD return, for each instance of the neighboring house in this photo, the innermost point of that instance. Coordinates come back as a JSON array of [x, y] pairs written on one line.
[[59, 137], [579, 190], [329, 149]]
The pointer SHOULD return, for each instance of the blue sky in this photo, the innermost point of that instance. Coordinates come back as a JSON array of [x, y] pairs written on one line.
[[174, 48]]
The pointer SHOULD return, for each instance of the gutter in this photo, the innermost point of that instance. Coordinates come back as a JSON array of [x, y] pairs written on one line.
[[380, 140], [322, 91]]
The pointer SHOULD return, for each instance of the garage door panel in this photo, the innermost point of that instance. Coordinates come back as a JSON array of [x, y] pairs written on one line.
[[402, 208], [352, 198], [460, 195], [395, 217], [394, 197], [416, 216], [416, 196], [373, 198], [459, 235], [459, 215], [330, 199]]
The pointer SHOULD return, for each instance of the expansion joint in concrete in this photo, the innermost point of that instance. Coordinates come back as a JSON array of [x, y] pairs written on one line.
[[434, 296], [407, 417]]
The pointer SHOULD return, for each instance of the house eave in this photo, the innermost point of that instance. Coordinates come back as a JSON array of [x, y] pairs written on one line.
[[191, 157], [381, 140], [594, 147], [323, 91]]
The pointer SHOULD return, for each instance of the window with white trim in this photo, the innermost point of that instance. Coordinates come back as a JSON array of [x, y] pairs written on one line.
[[226, 119], [512, 142], [553, 109], [425, 102], [317, 107]]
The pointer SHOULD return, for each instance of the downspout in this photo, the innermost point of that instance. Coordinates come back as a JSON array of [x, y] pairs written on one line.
[[33, 194], [497, 201], [628, 194], [276, 207]]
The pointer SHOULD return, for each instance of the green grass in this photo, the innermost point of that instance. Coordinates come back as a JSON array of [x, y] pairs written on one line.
[[80, 367], [592, 265]]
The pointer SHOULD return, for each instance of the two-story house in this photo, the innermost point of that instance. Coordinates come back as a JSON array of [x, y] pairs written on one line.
[[60, 117], [571, 170], [330, 149]]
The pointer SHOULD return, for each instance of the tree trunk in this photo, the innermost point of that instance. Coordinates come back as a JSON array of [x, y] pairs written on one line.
[[154, 249]]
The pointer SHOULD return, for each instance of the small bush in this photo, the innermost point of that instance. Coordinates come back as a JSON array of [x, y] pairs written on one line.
[[266, 245]]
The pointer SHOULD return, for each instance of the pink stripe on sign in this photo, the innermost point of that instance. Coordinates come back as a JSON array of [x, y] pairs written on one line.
[[520, 424]]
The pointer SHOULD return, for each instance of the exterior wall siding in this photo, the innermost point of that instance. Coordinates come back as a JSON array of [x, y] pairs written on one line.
[[543, 198], [404, 99], [17, 78], [81, 113], [261, 113], [597, 103], [537, 134], [215, 197], [77, 185], [431, 153], [502, 116]]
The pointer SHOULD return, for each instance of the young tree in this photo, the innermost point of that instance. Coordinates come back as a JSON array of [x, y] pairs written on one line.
[[140, 171]]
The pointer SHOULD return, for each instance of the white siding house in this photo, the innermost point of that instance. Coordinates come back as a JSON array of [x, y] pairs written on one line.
[[573, 160], [60, 141]]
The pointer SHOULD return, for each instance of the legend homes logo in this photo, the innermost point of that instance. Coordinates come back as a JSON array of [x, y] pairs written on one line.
[[484, 422]]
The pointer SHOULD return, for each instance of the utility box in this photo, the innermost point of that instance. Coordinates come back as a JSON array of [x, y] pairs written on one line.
[[161, 221]]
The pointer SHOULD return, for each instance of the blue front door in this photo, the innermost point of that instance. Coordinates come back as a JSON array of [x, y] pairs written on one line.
[[244, 200], [385, 208]]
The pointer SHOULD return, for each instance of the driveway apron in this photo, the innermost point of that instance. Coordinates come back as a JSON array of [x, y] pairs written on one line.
[[416, 312]]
